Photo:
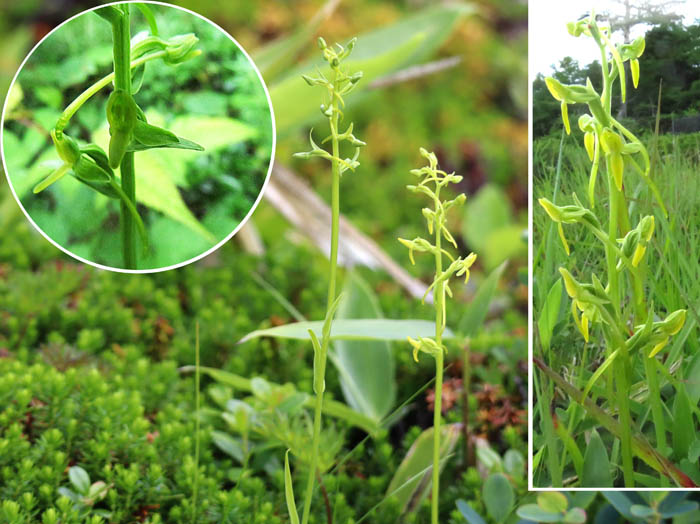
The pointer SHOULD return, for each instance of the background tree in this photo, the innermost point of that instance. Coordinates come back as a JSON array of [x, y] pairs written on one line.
[[649, 12]]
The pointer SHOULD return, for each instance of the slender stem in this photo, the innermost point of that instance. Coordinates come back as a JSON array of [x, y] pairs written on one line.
[[122, 80], [439, 364], [621, 366], [335, 220]]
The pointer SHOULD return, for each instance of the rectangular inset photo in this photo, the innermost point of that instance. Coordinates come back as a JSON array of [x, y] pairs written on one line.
[[615, 366]]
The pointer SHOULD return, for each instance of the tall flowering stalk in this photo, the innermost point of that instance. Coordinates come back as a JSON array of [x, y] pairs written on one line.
[[621, 301], [340, 83], [433, 180]]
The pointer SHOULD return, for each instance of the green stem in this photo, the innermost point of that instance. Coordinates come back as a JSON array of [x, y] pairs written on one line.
[[335, 222], [122, 80], [621, 366], [439, 364]]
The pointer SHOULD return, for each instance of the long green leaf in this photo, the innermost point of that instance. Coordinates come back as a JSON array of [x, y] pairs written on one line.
[[378, 52], [478, 308], [412, 480], [366, 368], [330, 407], [353, 329], [683, 426], [596, 466], [289, 492], [549, 315]]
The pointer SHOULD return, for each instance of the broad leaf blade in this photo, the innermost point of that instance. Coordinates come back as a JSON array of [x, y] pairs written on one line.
[[596, 466], [468, 513], [498, 497], [366, 368], [378, 52], [411, 482], [353, 329], [683, 426]]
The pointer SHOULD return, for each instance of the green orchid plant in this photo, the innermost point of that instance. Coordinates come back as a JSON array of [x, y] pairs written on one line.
[[129, 129], [613, 304], [340, 83], [433, 181]]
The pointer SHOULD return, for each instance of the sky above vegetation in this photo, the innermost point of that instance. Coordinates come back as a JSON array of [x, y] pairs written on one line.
[[550, 41]]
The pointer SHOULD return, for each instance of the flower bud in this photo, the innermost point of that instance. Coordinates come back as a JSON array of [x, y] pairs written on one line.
[[67, 148], [573, 288], [589, 143], [674, 322], [634, 67], [554, 211]]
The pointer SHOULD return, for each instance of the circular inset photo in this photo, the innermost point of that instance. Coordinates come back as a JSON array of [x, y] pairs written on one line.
[[138, 137]]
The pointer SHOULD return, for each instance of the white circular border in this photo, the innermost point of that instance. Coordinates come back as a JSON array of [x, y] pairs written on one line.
[[193, 259]]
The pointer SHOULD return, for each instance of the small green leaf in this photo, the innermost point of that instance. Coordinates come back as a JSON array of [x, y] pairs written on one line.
[[80, 479], [552, 501], [596, 466], [353, 329], [643, 512], [514, 463], [536, 514], [468, 513], [575, 516], [151, 135], [620, 501], [289, 491], [331, 408], [228, 445], [498, 497], [668, 511]]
